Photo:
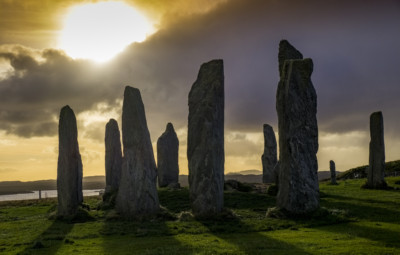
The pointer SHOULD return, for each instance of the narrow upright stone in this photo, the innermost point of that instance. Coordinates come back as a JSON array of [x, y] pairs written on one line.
[[113, 156], [332, 167], [376, 169], [296, 105], [69, 167], [137, 195], [167, 157], [269, 158], [206, 140]]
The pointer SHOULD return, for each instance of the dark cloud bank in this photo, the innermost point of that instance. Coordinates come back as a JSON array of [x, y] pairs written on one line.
[[355, 48]]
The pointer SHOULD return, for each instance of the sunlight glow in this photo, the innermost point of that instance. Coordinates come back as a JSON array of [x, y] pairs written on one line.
[[102, 30]]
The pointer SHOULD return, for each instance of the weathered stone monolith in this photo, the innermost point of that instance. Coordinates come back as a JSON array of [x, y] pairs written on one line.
[[113, 156], [205, 149], [69, 167], [287, 51], [167, 157], [137, 195], [296, 104], [376, 169], [332, 168], [269, 158]]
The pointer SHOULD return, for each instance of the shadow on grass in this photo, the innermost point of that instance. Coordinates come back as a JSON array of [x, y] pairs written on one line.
[[146, 237], [51, 239], [368, 209], [383, 235], [248, 240], [247, 200]]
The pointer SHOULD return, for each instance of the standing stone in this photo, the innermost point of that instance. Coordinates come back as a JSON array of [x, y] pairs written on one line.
[[332, 167], [69, 167], [287, 51], [269, 158], [206, 140], [296, 105], [113, 156], [167, 157], [376, 170], [137, 195]]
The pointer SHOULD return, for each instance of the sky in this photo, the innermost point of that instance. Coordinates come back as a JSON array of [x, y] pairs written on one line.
[[159, 47]]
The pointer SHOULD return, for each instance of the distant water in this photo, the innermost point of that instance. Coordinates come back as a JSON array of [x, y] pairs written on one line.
[[45, 194]]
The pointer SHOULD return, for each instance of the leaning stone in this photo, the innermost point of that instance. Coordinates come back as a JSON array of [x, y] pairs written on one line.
[[137, 196], [296, 105], [205, 149], [69, 167], [376, 169], [113, 156], [269, 158], [167, 157]]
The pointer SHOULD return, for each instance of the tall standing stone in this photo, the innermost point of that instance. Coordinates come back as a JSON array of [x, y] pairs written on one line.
[[113, 156], [332, 168], [296, 105], [269, 158], [167, 157], [137, 195], [287, 51], [376, 169], [69, 167], [206, 140]]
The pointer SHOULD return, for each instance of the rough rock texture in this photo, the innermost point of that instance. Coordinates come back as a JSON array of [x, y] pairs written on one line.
[[376, 170], [113, 156], [69, 167], [276, 173], [137, 196], [332, 168], [269, 158], [206, 140], [287, 51], [296, 105], [167, 157]]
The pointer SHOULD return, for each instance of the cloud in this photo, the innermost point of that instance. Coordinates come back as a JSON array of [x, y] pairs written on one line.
[[355, 73]]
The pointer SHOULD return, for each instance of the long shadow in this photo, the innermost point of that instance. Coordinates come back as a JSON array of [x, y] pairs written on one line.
[[50, 240], [247, 239], [364, 210], [153, 236], [388, 237], [363, 200]]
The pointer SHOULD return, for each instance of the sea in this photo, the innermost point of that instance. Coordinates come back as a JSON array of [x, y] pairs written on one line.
[[46, 194]]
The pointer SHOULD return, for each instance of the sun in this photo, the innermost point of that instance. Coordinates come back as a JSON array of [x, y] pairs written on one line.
[[101, 30]]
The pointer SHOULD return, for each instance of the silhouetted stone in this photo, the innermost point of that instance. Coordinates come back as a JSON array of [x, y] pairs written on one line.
[[287, 51], [269, 158], [376, 169], [113, 156], [332, 168], [69, 167], [205, 149], [296, 105], [137, 196], [276, 173], [167, 157]]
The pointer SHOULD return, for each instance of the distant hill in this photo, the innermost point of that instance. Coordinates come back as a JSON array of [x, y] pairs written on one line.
[[246, 176], [14, 187], [245, 172]]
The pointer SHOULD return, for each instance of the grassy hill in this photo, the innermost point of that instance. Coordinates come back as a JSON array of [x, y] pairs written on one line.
[[354, 221], [391, 168]]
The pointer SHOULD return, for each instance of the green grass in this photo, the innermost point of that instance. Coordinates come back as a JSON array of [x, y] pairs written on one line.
[[390, 168], [353, 221]]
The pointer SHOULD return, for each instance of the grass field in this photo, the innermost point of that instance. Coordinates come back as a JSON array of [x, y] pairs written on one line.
[[354, 221]]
